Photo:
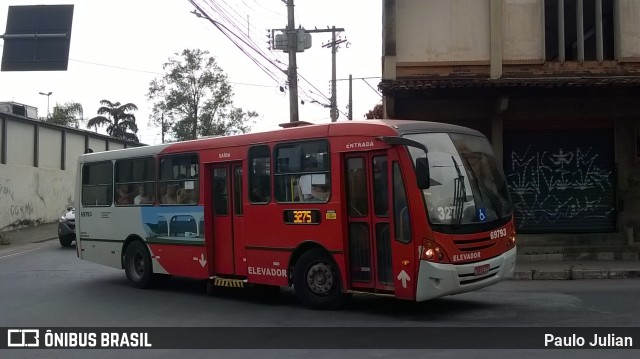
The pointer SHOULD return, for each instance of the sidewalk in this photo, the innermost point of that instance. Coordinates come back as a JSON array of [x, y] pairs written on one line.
[[525, 270]]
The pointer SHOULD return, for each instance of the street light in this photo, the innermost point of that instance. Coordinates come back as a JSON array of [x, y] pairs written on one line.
[[47, 94]]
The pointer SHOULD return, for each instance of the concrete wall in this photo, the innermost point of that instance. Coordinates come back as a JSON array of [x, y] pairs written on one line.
[[97, 145], [75, 147], [115, 145], [442, 30], [458, 31], [34, 187], [20, 142], [523, 30], [629, 27], [30, 195], [50, 145]]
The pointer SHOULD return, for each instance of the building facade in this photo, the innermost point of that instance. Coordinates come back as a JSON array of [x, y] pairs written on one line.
[[555, 86], [38, 163]]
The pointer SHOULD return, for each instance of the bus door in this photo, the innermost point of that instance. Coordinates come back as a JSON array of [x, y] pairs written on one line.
[[379, 228], [227, 226], [369, 221]]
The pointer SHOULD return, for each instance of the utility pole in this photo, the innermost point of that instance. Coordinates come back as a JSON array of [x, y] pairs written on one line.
[[334, 49], [292, 73], [350, 97], [334, 100], [294, 40]]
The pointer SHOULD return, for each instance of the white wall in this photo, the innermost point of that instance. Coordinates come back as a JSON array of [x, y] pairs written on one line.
[[523, 33], [75, 147], [629, 15], [1, 126], [50, 148], [97, 145], [442, 30], [28, 194], [33, 195], [115, 146], [20, 141]]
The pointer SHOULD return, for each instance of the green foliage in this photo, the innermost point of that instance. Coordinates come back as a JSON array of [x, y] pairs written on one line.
[[117, 119], [194, 99], [376, 113], [68, 114]]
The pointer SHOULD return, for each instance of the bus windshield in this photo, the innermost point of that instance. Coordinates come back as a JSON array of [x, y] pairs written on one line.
[[467, 186]]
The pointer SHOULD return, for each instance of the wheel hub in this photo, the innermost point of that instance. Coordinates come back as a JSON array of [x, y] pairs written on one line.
[[320, 279]]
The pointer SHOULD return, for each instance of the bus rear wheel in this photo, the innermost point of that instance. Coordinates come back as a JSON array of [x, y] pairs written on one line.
[[137, 265], [316, 280]]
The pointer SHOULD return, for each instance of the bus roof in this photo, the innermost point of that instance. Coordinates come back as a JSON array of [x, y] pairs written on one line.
[[334, 129]]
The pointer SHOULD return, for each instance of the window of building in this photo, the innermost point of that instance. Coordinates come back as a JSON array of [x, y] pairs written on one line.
[[97, 184], [302, 172], [135, 182], [179, 180], [259, 174], [579, 30]]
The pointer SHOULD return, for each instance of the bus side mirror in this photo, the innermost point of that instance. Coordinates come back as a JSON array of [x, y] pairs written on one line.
[[422, 173]]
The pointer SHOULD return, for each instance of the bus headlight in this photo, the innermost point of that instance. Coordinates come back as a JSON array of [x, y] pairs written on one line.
[[512, 239], [432, 252]]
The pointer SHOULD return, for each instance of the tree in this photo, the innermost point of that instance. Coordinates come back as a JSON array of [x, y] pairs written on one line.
[[119, 120], [68, 114], [193, 99], [376, 112]]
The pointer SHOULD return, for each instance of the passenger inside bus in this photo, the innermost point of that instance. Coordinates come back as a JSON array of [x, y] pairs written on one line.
[[124, 196], [142, 197], [171, 197]]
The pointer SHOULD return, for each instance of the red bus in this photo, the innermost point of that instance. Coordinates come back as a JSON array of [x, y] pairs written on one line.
[[409, 209]]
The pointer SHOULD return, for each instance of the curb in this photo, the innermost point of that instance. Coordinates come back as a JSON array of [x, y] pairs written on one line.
[[577, 274]]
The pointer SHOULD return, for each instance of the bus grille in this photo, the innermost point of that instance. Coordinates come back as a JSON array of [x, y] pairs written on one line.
[[472, 245]]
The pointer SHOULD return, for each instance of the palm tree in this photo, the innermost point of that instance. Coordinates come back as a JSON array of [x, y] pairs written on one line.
[[66, 115], [117, 119]]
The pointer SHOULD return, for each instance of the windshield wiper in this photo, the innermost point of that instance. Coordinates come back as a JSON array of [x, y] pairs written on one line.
[[459, 194]]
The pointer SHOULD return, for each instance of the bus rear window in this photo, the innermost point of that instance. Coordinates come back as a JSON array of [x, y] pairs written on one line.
[[97, 184]]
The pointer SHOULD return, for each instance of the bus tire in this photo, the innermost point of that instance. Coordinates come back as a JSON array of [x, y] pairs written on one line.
[[316, 280], [137, 265]]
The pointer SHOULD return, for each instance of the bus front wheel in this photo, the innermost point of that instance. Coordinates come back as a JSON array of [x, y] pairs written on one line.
[[137, 265], [316, 280]]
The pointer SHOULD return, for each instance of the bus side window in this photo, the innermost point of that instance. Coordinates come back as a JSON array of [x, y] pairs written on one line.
[[259, 174], [97, 184], [178, 182]]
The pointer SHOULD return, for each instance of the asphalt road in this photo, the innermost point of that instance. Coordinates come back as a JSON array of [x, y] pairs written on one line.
[[44, 285]]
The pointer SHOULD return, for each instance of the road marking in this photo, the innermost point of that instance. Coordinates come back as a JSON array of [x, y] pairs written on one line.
[[19, 253]]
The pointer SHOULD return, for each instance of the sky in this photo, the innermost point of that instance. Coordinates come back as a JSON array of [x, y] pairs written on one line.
[[119, 46]]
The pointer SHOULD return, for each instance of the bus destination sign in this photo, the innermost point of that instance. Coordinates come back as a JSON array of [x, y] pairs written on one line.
[[302, 216]]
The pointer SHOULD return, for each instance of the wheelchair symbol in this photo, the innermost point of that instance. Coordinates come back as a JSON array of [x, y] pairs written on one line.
[[481, 215]]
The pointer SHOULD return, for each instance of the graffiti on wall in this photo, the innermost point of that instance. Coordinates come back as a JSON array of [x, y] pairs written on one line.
[[6, 192], [559, 184]]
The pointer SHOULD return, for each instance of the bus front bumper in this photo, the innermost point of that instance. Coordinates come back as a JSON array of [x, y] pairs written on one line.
[[437, 280]]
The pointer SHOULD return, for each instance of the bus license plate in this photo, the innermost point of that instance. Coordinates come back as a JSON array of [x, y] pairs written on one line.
[[480, 270]]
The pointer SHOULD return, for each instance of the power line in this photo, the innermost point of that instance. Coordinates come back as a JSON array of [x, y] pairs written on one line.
[[376, 91]]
